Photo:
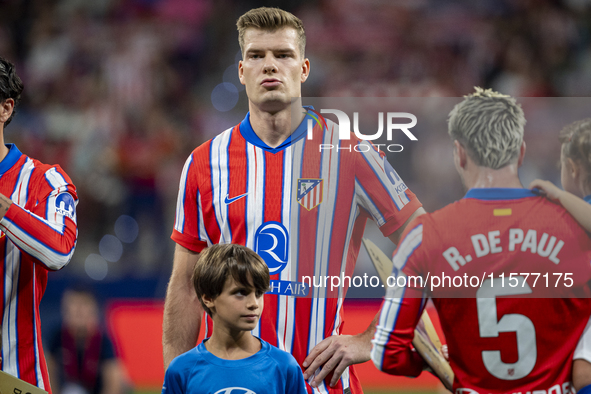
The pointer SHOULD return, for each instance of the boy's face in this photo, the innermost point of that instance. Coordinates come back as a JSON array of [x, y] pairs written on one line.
[[567, 176], [237, 308]]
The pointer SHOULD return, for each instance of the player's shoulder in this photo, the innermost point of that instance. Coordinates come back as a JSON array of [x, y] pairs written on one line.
[[449, 211], [53, 176], [536, 208], [430, 219], [437, 223], [553, 214], [39, 168], [206, 152], [50, 169]]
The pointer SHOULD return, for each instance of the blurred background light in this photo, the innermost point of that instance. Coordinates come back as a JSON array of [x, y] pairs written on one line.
[[126, 229], [110, 248], [96, 267], [231, 76], [224, 96]]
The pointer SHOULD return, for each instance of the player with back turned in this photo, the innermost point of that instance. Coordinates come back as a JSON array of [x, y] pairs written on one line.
[[38, 234], [498, 342], [264, 185]]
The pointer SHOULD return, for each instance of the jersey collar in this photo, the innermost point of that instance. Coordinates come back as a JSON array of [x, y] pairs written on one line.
[[588, 199], [11, 158], [499, 193], [249, 135], [244, 362]]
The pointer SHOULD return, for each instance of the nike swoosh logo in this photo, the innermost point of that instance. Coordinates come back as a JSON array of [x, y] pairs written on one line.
[[231, 200]]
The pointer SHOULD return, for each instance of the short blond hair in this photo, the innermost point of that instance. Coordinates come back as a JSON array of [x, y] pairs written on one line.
[[490, 126], [271, 19]]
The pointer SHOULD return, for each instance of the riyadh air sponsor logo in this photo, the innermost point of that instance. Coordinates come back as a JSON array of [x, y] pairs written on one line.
[[64, 205], [271, 243], [288, 288], [309, 192], [235, 390], [393, 122], [229, 200]]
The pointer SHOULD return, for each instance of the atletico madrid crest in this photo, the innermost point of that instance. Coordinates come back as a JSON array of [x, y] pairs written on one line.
[[309, 192]]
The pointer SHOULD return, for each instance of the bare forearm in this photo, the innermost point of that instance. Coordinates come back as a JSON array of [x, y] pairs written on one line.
[[366, 337], [336, 353], [577, 207], [182, 309], [370, 330], [182, 320], [581, 374]]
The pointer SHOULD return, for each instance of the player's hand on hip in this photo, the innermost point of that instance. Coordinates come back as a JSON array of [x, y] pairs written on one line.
[[548, 188], [335, 354]]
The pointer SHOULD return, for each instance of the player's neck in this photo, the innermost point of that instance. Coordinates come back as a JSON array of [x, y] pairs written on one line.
[[232, 345], [274, 128], [483, 177]]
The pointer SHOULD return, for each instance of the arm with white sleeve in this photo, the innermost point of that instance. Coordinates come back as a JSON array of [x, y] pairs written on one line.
[[41, 220], [400, 314]]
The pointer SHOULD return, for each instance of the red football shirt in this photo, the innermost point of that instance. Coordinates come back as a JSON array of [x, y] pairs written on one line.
[[302, 209], [494, 245], [37, 234]]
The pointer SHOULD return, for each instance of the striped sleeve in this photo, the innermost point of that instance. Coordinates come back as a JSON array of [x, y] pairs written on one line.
[[381, 191], [189, 230], [400, 313], [42, 220], [583, 350]]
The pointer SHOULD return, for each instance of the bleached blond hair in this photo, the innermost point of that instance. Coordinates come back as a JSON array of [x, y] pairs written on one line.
[[490, 126]]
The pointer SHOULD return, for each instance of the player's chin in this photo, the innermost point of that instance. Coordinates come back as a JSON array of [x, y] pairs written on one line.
[[274, 101], [249, 323]]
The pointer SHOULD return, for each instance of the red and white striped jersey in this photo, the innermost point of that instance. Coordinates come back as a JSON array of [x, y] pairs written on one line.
[[518, 245], [37, 234], [302, 209]]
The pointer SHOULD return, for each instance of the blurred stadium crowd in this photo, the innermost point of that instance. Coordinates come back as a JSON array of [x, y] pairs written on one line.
[[118, 92]]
